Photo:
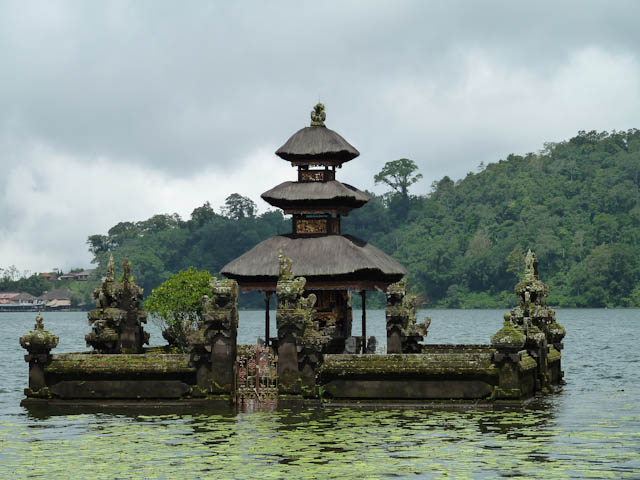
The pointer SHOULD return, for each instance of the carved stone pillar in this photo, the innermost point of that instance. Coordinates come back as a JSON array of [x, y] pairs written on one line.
[[509, 341], [539, 325], [214, 345], [404, 334], [38, 343]]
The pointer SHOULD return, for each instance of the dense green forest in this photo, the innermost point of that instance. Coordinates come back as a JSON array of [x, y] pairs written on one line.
[[575, 203]]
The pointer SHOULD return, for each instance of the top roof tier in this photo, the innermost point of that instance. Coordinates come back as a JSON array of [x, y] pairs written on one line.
[[317, 145]]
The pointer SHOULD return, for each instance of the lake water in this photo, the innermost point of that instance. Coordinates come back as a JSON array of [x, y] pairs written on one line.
[[591, 429]]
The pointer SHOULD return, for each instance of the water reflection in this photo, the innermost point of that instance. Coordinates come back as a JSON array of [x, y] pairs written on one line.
[[319, 442]]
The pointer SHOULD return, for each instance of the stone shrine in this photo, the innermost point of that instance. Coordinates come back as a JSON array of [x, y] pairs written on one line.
[[116, 322]]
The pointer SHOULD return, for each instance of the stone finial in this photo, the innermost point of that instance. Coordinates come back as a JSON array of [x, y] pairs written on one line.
[[284, 267], [126, 271], [531, 265], [111, 276], [38, 340], [39, 322], [318, 115]]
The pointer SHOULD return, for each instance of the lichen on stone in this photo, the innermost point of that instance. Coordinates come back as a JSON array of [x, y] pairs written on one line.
[[509, 337]]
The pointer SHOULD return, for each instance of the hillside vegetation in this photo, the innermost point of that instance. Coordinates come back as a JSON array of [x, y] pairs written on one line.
[[575, 203]]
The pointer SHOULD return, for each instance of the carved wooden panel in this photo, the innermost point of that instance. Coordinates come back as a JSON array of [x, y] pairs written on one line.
[[311, 225], [312, 175], [316, 175]]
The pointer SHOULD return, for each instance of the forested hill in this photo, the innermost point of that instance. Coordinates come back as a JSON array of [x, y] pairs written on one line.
[[576, 204]]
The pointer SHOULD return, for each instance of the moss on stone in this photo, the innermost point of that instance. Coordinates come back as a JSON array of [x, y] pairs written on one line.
[[527, 362], [408, 365], [554, 355], [508, 337], [113, 364], [44, 392]]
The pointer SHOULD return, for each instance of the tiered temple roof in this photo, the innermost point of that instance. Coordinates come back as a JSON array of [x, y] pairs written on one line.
[[316, 246]]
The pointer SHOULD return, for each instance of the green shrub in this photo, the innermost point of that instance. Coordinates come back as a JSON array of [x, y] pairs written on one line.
[[176, 305]]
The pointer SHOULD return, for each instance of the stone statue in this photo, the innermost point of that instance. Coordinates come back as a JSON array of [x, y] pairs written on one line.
[[404, 333]]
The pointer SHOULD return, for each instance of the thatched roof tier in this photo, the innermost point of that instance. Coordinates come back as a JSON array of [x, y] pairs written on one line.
[[329, 262], [317, 145], [315, 196]]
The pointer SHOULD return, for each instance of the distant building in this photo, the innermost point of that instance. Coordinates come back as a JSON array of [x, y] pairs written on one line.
[[58, 299], [19, 302], [24, 297], [7, 297], [79, 276]]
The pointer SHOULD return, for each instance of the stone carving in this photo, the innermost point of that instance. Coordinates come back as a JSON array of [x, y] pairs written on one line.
[[318, 116], [404, 333], [220, 312], [533, 320], [509, 338], [39, 343], [288, 289], [532, 310], [38, 340], [300, 338], [116, 322], [214, 344]]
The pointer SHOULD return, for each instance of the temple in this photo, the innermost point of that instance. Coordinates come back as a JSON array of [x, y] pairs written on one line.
[[334, 265], [313, 359]]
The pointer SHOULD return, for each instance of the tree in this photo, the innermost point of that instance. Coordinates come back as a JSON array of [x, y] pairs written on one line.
[[399, 175], [98, 244], [177, 304], [236, 207], [202, 215]]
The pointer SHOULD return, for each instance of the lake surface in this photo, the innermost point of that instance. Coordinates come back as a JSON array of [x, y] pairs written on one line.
[[591, 429]]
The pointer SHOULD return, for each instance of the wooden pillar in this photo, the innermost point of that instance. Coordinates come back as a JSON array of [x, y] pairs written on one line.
[[267, 297], [363, 294]]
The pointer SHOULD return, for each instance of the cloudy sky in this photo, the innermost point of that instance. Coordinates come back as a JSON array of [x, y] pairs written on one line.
[[114, 111]]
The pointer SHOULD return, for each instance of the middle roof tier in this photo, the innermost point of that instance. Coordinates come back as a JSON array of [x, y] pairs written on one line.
[[316, 197]]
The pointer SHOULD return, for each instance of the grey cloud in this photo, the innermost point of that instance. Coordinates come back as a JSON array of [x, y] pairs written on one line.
[[198, 83], [182, 87]]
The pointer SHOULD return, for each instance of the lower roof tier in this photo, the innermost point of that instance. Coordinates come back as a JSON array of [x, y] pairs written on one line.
[[331, 262]]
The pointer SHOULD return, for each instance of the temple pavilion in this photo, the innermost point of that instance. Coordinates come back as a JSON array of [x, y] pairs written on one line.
[[334, 265]]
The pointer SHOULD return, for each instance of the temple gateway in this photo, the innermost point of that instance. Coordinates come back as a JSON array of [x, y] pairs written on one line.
[[334, 265]]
